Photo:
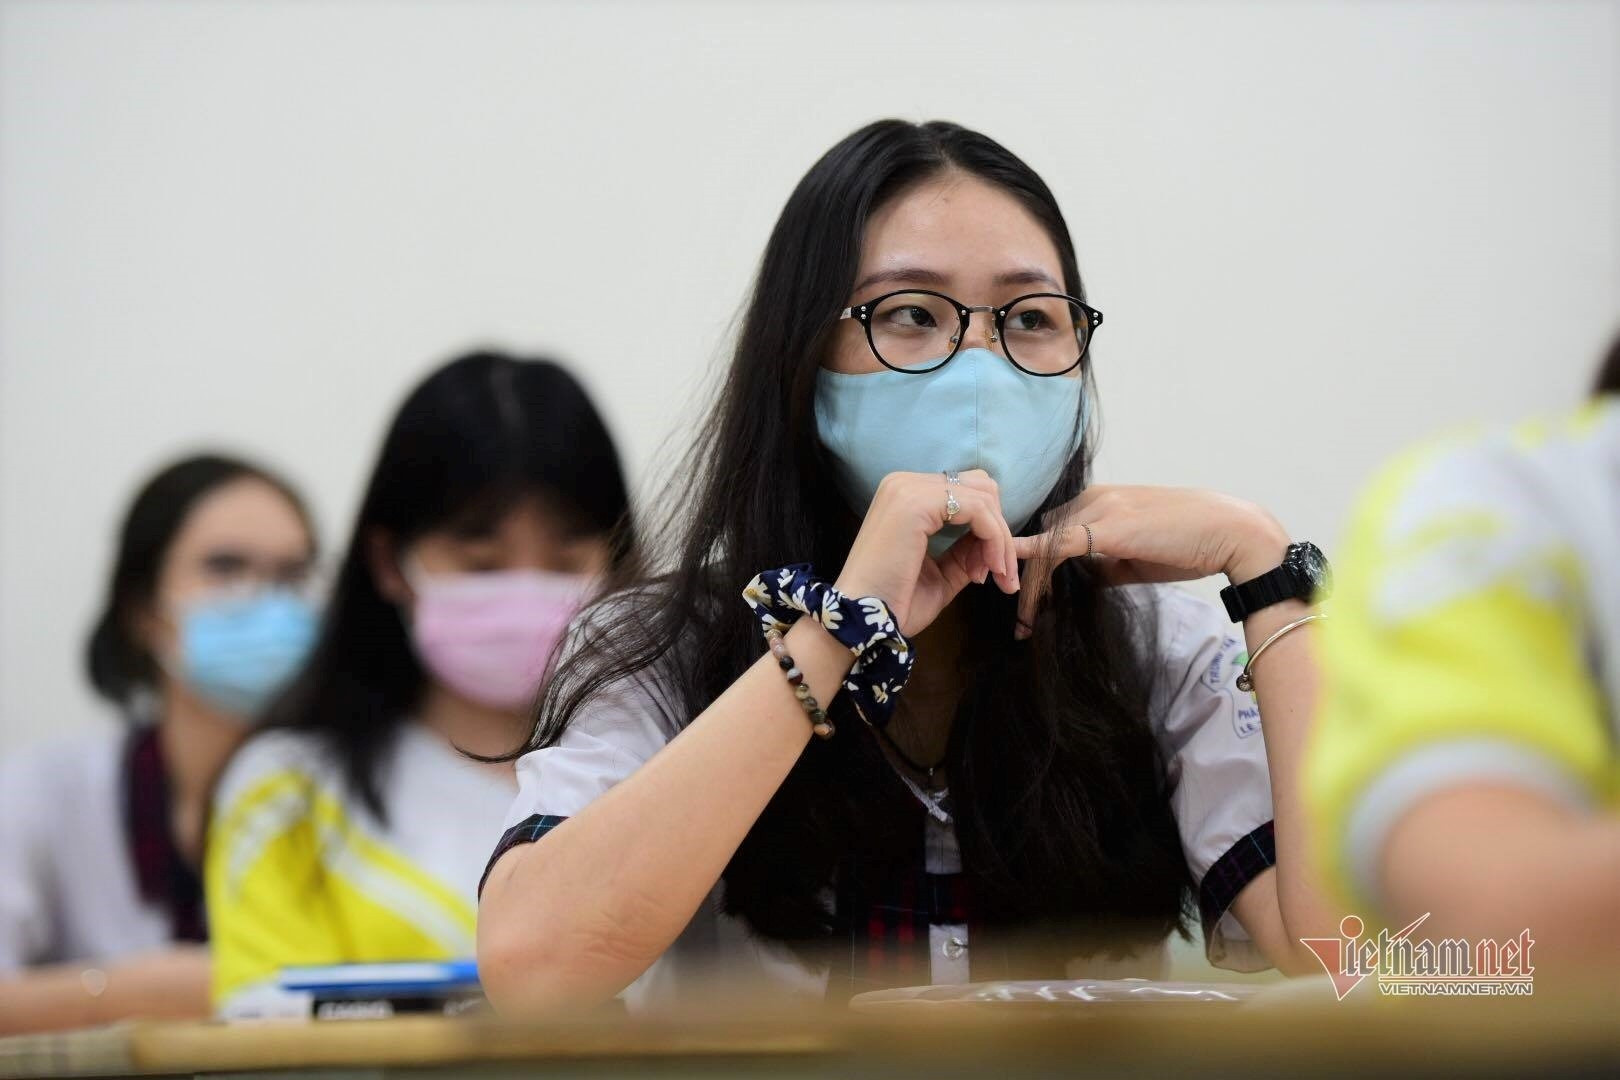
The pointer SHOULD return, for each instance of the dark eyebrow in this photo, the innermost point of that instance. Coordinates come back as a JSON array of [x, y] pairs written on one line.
[[1032, 275], [907, 275], [918, 275]]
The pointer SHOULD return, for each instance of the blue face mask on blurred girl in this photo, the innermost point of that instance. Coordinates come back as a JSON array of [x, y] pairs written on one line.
[[236, 651], [976, 412]]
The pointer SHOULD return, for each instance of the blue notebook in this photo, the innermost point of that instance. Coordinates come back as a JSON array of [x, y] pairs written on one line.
[[393, 980]]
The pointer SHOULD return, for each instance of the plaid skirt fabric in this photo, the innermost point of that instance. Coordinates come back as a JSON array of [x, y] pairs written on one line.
[[889, 940], [1243, 862], [526, 831]]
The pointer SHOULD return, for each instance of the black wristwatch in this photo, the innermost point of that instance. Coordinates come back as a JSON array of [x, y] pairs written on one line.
[[1303, 575]]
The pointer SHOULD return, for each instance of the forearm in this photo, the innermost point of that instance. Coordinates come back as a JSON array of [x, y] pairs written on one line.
[[47, 999], [575, 917], [1286, 686], [170, 986], [1488, 862]]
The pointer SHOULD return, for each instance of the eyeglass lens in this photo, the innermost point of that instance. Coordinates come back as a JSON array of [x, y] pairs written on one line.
[[1043, 335]]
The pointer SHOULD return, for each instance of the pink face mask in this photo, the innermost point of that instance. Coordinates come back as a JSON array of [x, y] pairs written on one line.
[[489, 636]]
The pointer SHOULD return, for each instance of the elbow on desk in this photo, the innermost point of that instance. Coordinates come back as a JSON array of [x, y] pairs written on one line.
[[507, 972], [513, 962], [534, 960], [525, 975]]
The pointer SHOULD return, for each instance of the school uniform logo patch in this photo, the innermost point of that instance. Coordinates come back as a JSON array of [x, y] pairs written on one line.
[[1221, 675]]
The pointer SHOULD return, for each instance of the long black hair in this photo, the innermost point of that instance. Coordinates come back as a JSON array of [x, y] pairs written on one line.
[[120, 666], [1608, 376], [470, 440], [1061, 794]]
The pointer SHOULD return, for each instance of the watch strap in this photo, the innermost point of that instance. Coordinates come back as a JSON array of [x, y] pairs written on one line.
[[1272, 587]]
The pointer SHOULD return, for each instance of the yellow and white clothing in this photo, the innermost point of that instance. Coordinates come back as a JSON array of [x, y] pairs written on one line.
[[298, 871], [1476, 634]]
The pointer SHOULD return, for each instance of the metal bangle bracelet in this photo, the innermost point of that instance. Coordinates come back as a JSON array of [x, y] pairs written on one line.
[[1245, 681]]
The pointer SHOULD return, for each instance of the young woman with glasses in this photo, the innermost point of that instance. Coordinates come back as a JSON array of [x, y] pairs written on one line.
[[1025, 766]]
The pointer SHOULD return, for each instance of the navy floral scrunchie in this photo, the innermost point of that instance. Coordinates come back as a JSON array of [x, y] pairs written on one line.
[[883, 656]]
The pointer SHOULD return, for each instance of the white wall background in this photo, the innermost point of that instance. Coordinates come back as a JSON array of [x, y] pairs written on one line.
[[1319, 230]]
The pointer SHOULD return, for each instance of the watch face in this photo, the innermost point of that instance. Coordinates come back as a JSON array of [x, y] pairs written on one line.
[[1310, 567]]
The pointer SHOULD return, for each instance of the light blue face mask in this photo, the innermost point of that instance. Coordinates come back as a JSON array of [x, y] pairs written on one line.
[[236, 652], [976, 412]]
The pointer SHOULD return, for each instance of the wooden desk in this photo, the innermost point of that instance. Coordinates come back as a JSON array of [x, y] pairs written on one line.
[[1488, 1038]]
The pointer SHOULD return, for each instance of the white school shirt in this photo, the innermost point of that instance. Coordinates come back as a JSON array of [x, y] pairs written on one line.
[[1209, 732], [68, 890]]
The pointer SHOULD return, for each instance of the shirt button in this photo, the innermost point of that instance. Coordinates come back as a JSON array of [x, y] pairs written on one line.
[[953, 947]]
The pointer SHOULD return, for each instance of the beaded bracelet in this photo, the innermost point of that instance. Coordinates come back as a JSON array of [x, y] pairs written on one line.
[[818, 716]]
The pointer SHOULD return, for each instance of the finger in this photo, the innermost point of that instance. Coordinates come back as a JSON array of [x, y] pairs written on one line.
[[1063, 542], [983, 519], [1011, 549], [1008, 548], [964, 562], [976, 478], [1001, 560], [977, 512], [1005, 557], [981, 561], [1109, 548]]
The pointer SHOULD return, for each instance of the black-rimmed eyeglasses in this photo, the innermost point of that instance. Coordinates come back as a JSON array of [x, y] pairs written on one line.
[[917, 331]]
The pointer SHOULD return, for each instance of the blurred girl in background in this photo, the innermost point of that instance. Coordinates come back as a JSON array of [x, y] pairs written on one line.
[[353, 829], [1466, 764], [100, 841]]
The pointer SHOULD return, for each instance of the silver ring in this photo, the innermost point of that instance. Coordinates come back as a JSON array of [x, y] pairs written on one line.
[[1091, 548], [952, 507]]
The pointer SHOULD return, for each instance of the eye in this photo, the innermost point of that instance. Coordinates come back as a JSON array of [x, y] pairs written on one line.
[[1041, 317], [225, 564], [469, 550], [910, 316]]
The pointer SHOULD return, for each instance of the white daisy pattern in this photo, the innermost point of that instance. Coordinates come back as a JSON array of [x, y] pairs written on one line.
[[831, 616], [883, 656]]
